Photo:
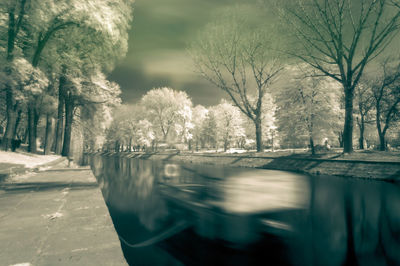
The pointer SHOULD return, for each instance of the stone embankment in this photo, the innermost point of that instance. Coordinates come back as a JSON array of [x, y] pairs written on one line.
[[381, 170]]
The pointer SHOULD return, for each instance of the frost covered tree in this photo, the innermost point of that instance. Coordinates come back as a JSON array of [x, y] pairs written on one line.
[[267, 120], [45, 29], [12, 17], [184, 125], [129, 129], [209, 131], [229, 123], [88, 93], [94, 120], [120, 130], [25, 83], [308, 106], [103, 33], [198, 117], [166, 108]]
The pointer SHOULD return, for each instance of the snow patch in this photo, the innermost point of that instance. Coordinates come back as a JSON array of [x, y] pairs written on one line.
[[65, 191], [28, 160], [233, 150], [53, 215], [79, 249], [22, 177], [82, 208]]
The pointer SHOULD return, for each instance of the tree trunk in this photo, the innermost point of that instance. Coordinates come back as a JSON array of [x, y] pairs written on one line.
[[165, 135], [362, 129], [60, 118], [340, 139], [11, 120], [381, 133], [49, 134], [11, 106], [259, 143], [10, 129], [312, 148], [32, 126], [382, 141], [26, 135], [116, 146], [17, 124], [69, 108], [348, 121]]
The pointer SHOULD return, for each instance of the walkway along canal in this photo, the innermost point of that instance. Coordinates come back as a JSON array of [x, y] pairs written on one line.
[[56, 217], [169, 213]]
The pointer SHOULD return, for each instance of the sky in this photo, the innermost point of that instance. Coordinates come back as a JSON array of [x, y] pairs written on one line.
[[158, 40]]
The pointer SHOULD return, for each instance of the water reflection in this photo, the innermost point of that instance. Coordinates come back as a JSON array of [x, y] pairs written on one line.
[[207, 215], [129, 187]]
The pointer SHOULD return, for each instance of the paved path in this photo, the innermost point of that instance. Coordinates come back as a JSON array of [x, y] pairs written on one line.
[[57, 217]]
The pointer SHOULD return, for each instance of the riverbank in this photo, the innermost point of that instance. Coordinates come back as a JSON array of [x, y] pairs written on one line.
[[56, 217], [369, 165]]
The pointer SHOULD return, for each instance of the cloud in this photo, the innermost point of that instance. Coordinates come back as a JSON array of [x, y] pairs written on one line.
[[157, 55]]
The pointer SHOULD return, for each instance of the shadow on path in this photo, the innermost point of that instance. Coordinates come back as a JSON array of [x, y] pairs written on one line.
[[46, 186]]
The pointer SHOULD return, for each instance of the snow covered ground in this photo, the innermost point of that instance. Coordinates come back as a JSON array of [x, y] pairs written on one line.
[[27, 159]]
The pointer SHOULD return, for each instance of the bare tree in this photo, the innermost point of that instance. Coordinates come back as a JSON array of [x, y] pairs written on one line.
[[365, 104], [340, 38], [386, 94], [239, 60]]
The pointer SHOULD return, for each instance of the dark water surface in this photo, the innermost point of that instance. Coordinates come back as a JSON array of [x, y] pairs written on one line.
[[187, 214]]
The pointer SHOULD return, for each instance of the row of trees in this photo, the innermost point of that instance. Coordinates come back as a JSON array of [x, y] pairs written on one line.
[[55, 56], [167, 117], [378, 101], [299, 89], [304, 111], [313, 106], [338, 39]]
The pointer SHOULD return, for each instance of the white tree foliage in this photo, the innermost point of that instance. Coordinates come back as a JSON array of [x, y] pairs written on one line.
[[27, 81], [308, 106], [229, 123], [168, 109]]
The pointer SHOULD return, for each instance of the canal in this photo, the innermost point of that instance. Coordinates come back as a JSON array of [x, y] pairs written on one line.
[[186, 214]]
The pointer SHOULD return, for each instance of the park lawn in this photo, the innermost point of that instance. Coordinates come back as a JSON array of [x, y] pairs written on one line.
[[27, 160], [334, 154], [380, 156]]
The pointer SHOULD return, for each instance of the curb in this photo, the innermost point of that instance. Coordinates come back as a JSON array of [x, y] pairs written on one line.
[[23, 170]]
